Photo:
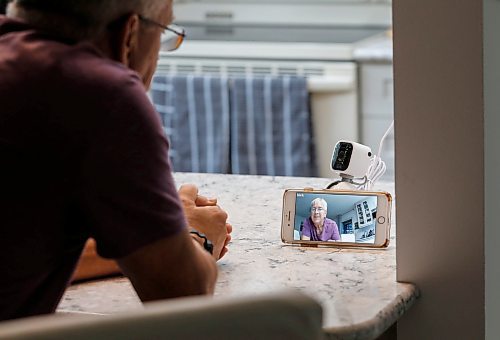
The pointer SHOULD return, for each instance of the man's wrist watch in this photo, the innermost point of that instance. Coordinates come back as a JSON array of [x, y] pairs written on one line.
[[206, 242]]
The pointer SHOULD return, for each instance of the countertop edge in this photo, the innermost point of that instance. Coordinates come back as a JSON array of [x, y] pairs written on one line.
[[376, 326]]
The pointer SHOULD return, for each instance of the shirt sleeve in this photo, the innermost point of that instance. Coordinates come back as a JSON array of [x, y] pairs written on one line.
[[336, 234], [306, 230], [129, 191]]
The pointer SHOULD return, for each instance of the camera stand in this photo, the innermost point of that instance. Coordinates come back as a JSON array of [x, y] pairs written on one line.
[[346, 183]]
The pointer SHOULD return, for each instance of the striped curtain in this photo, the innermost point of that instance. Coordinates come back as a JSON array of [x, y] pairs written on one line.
[[195, 116], [244, 125], [270, 127]]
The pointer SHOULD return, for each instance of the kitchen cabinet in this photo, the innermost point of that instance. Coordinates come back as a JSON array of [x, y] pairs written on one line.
[[377, 109], [364, 213]]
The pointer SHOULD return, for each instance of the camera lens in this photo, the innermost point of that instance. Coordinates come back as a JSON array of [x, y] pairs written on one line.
[[343, 154]]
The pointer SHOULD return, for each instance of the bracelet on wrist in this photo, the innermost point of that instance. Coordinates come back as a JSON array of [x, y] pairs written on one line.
[[207, 245]]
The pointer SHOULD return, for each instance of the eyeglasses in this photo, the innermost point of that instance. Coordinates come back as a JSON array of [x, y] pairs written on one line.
[[172, 36], [317, 209]]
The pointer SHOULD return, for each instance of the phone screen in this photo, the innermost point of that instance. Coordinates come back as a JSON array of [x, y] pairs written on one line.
[[328, 218]]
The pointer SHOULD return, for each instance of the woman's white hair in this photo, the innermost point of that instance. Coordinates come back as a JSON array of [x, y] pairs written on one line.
[[79, 19], [320, 201]]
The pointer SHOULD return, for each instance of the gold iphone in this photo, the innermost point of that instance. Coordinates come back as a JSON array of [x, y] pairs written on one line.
[[336, 218]]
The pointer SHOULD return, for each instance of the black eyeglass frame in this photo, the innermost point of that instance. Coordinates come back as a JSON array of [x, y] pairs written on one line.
[[165, 27]]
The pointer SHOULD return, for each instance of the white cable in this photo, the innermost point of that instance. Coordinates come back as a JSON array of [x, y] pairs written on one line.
[[383, 138], [377, 165]]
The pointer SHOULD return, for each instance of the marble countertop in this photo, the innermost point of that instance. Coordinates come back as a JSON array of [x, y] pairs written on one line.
[[357, 288]]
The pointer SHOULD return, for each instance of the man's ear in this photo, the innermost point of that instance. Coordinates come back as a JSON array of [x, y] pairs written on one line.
[[127, 39]]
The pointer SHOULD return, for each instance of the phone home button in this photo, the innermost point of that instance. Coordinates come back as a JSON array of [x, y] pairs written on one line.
[[381, 219]]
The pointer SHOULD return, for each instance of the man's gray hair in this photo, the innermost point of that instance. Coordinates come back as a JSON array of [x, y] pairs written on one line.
[[79, 19], [321, 202]]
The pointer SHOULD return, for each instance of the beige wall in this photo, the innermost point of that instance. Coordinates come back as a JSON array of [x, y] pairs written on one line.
[[438, 70], [492, 164]]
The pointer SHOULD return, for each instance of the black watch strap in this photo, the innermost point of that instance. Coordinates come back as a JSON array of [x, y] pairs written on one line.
[[206, 242]]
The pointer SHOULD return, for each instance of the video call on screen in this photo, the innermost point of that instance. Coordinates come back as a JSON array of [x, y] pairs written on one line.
[[353, 216]]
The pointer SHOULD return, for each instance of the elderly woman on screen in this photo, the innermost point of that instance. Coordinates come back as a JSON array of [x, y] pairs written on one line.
[[318, 227]]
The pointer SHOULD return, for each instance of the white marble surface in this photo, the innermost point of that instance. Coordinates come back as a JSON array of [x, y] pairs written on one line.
[[357, 288]]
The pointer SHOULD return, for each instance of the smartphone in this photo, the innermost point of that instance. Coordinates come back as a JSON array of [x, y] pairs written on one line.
[[336, 218]]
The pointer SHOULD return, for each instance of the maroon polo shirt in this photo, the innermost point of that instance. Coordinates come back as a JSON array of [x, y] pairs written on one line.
[[82, 154]]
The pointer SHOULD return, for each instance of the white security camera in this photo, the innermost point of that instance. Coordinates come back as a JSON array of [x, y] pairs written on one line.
[[351, 160]]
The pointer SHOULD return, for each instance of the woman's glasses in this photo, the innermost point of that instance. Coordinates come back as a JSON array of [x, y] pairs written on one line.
[[172, 36]]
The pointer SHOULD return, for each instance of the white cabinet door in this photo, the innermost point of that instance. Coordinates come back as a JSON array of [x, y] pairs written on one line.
[[377, 90]]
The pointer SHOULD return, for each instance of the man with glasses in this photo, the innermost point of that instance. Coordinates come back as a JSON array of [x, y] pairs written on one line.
[[83, 155], [318, 227]]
